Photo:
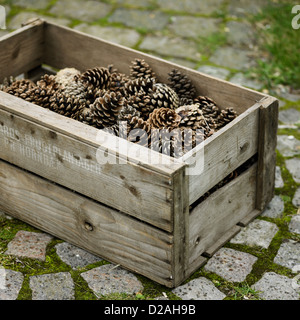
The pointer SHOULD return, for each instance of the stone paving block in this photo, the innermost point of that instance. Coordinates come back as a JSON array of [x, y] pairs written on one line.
[[167, 46], [257, 233], [278, 178], [22, 17], [29, 245], [230, 264], [296, 198], [149, 20], [192, 6], [74, 256], [293, 165], [241, 80], [273, 286], [194, 27], [274, 208], [288, 146], [216, 72], [199, 289], [52, 286], [240, 34], [110, 278], [242, 8], [294, 225], [32, 4], [125, 37], [289, 116], [288, 254], [10, 284], [134, 3], [233, 58], [87, 11]]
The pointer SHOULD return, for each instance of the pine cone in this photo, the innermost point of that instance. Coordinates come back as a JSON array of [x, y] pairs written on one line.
[[118, 81], [69, 106], [99, 77], [225, 117], [141, 102], [127, 112], [164, 118], [164, 96], [18, 87], [205, 102], [7, 82], [64, 77], [135, 86], [181, 84], [139, 131], [140, 69], [105, 110]]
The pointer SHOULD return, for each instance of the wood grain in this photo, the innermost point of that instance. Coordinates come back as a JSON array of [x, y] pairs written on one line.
[[66, 215], [220, 212], [21, 50]]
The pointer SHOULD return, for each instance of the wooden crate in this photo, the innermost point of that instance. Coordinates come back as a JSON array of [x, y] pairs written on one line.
[[143, 212]]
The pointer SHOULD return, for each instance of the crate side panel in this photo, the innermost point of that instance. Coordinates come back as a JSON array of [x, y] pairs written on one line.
[[127, 187], [223, 153], [221, 211], [71, 48], [21, 50], [89, 225]]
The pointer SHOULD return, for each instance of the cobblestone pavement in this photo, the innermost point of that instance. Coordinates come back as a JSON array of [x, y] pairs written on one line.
[[216, 38]]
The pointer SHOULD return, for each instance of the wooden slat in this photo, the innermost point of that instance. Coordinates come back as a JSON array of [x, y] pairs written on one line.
[[91, 226], [85, 168], [221, 211], [70, 48], [21, 50], [181, 227], [222, 153], [268, 124]]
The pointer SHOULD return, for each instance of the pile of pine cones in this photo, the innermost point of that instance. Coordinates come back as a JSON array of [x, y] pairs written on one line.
[[168, 118]]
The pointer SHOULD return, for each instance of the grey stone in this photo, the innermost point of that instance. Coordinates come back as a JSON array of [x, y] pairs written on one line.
[[241, 80], [289, 116], [22, 17], [242, 8], [53, 286], [199, 289], [230, 264], [74, 256], [32, 4], [109, 279], [273, 286], [168, 46], [29, 244], [194, 27], [274, 208], [87, 11], [288, 146], [149, 20], [183, 62], [240, 33], [294, 225], [293, 165], [135, 3], [288, 254], [192, 6], [216, 72], [10, 284], [278, 178], [125, 37], [286, 93], [296, 198], [257, 233], [233, 58]]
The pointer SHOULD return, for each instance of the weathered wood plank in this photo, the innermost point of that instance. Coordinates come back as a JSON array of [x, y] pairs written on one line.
[[110, 234], [268, 124], [222, 210], [21, 50], [62, 51], [86, 168], [181, 226], [219, 155]]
